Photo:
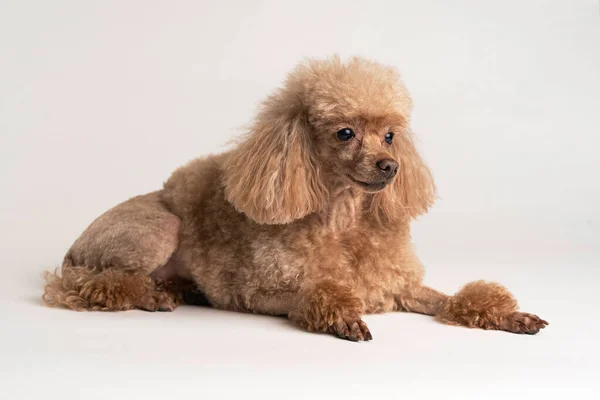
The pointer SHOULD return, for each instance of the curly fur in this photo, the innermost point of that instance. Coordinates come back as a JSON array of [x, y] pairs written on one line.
[[292, 221]]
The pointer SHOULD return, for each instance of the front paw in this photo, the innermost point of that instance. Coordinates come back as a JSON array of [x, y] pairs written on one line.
[[330, 307], [520, 322], [355, 330]]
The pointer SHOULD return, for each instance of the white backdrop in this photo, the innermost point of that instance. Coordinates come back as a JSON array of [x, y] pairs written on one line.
[[100, 101]]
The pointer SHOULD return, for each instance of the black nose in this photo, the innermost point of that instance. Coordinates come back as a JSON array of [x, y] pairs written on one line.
[[388, 167]]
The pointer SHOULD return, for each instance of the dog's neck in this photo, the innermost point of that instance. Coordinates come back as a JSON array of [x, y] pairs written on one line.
[[344, 209]]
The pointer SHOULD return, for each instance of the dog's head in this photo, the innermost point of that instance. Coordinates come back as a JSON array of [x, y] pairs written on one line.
[[333, 125]]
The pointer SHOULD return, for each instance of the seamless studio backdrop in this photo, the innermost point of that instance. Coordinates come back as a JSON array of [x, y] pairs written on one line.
[[101, 101]]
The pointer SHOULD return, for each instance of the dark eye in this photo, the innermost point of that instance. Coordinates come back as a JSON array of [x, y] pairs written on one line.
[[345, 134], [389, 137]]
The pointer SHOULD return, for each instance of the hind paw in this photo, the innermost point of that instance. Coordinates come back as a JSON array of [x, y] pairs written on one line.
[[159, 301]]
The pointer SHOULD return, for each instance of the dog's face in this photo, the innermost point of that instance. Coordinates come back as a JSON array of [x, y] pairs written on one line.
[[333, 125], [356, 113], [360, 152]]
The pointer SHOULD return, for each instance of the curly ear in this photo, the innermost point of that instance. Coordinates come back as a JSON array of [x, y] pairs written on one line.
[[273, 176], [413, 190]]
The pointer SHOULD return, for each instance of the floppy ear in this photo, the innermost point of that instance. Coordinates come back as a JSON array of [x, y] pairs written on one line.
[[413, 190], [273, 176]]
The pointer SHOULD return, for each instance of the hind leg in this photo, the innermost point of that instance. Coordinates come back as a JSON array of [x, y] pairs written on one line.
[[139, 235], [110, 266], [80, 289]]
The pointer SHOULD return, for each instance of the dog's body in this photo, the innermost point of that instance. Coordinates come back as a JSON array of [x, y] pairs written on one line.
[[305, 218]]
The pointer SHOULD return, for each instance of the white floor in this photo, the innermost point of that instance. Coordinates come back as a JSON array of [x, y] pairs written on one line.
[[202, 352]]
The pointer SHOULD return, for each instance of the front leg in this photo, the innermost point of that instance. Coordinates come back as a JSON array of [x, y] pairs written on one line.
[[480, 304], [331, 307], [421, 299]]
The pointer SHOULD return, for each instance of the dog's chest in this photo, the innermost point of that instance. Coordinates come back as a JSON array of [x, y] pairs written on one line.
[[378, 266], [342, 215]]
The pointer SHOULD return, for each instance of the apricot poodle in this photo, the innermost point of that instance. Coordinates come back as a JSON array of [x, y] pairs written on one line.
[[308, 217]]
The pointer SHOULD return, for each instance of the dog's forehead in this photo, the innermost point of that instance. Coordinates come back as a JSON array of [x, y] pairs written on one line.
[[335, 90]]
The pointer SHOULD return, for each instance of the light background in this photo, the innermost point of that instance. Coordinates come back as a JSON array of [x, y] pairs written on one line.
[[100, 101]]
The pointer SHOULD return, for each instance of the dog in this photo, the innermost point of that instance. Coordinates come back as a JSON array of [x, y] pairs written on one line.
[[308, 216]]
